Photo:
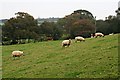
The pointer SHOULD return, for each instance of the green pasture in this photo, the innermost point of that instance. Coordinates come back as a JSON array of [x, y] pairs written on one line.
[[94, 58]]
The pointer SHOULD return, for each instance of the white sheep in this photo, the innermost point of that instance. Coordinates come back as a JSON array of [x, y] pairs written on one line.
[[79, 39], [111, 34], [98, 34], [66, 43], [92, 36], [17, 53]]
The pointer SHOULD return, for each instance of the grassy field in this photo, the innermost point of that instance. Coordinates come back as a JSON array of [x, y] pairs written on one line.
[[94, 58]]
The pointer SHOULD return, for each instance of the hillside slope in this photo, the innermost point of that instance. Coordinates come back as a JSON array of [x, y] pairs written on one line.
[[94, 58]]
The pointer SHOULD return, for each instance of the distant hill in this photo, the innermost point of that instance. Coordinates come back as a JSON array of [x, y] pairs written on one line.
[[41, 20], [2, 21]]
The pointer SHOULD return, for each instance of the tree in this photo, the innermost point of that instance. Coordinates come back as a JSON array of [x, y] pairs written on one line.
[[23, 26], [84, 14], [102, 26], [78, 23], [50, 29], [118, 13], [83, 28], [114, 25], [108, 26]]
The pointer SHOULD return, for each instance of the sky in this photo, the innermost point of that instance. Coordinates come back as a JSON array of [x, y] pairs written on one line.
[[57, 8]]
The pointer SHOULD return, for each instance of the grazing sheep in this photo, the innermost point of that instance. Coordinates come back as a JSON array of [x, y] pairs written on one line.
[[66, 43], [98, 34], [49, 38], [92, 36], [111, 34], [17, 53], [79, 39]]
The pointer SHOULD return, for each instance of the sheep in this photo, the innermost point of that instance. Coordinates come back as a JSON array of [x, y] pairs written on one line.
[[49, 38], [98, 34], [79, 39], [66, 43], [92, 36], [111, 34], [17, 53]]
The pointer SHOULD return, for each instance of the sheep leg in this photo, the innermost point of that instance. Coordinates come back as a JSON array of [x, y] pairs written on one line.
[[75, 40], [68, 45], [64, 45]]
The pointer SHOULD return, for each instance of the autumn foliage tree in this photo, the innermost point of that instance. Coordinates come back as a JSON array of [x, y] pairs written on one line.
[[82, 28], [79, 23]]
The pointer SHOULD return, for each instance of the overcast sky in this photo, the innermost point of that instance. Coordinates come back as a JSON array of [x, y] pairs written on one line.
[[57, 8]]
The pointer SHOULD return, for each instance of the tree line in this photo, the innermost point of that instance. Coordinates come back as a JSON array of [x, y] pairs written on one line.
[[24, 28]]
